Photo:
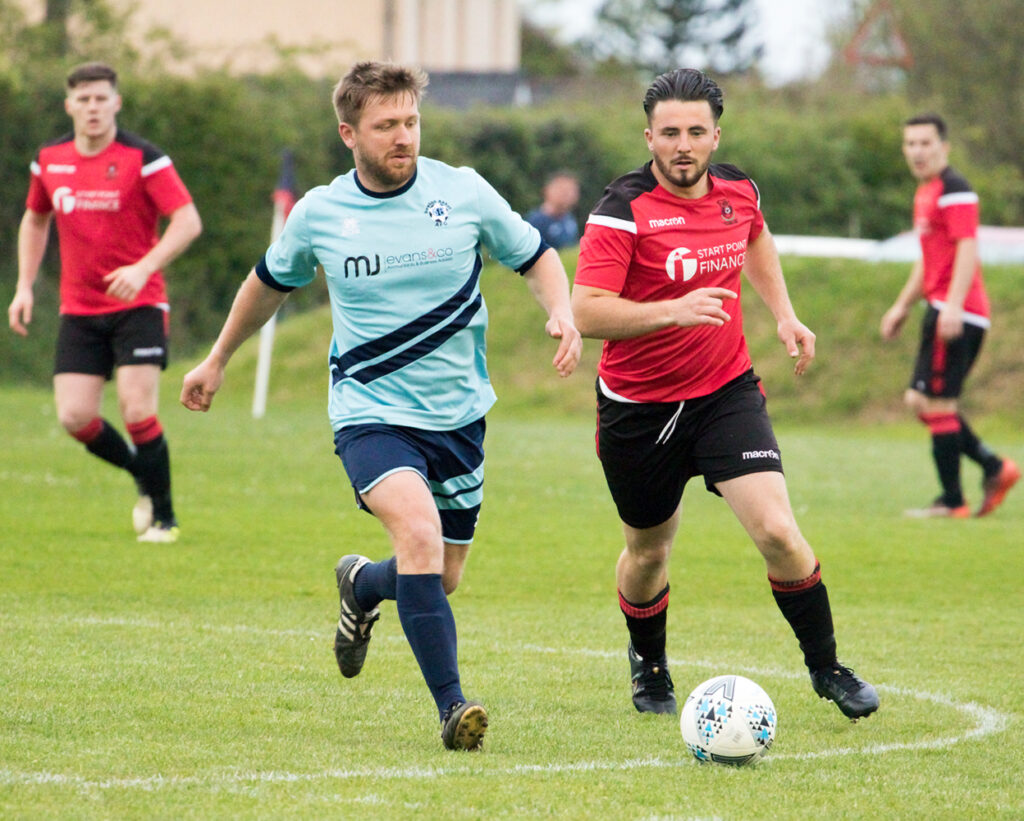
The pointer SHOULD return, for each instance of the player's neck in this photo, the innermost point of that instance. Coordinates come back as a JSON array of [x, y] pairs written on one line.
[[90, 146]]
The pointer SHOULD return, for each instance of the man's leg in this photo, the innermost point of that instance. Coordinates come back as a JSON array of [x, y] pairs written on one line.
[[761, 504], [942, 419], [642, 578], [138, 391], [405, 506], [998, 474], [78, 397]]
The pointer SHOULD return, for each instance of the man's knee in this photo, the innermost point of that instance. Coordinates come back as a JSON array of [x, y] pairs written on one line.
[[778, 534], [915, 401], [648, 554]]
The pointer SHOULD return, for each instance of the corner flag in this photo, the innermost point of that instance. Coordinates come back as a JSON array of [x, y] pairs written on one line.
[[284, 198]]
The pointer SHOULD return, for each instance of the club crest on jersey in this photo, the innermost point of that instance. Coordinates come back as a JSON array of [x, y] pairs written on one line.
[[111, 171], [349, 227], [678, 259], [438, 211], [728, 214]]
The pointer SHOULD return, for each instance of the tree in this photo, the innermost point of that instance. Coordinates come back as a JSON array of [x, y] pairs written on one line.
[[659, 35], [969, 64]]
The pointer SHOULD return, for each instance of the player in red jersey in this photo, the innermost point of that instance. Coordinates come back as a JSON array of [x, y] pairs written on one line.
[[107, 190], [948, 277], [659, 280]]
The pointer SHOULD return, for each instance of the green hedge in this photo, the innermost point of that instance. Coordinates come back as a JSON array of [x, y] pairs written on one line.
[[823, 169]]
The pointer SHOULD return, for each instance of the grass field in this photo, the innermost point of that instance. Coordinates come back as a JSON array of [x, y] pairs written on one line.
[[197, 680]]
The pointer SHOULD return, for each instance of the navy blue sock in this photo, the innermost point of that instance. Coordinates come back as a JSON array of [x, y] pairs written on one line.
[[375, 582], [429, 626]]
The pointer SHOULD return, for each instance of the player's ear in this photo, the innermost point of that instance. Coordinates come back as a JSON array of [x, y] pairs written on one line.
[[347, 134]]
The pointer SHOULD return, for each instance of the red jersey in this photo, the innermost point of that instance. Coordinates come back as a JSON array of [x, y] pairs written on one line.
[[107, 208], [647, 245], [945, 211]]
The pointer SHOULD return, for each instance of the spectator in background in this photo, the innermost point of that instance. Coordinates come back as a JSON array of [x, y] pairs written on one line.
[[554, 218]]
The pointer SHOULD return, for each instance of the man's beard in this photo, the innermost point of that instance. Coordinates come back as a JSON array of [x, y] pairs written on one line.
[[384, 176], [682, 179]]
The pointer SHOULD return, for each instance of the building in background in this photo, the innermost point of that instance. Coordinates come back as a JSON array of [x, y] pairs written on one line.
[[470, 47]]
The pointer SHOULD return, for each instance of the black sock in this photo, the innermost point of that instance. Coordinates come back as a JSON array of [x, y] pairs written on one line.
[[974, 449], [805, 606], [110, 446], [646, 624], [152, 470], [946, 452]]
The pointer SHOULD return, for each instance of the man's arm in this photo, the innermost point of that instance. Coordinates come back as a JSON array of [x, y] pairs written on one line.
[[764, 271], [550, 287], [33, 233], [913, 290], [254, 304], [965, 263], [183, 226]]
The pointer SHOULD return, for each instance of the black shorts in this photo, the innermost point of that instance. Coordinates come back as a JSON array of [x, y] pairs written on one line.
[[942, 366], [650, 451], [98, 344]]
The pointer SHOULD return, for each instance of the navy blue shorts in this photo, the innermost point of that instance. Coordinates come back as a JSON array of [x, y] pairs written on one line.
[[649, 451], [451, 463], [942, 365], [98, 344]]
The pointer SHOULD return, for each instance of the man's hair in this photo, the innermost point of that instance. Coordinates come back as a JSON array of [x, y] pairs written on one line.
[[930, 118], [91, 72], [686, 85], [370, 80]]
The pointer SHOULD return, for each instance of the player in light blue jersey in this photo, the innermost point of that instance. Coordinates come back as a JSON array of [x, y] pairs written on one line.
[[399, 240]]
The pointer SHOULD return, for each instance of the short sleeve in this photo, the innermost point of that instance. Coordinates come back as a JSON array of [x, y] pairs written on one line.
[[510, 239], [290, 261]]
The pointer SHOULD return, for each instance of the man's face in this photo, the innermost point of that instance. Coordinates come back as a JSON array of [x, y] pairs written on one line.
[[926, 152], [93, 107], [681, 137], [562, 194], [386, 142]]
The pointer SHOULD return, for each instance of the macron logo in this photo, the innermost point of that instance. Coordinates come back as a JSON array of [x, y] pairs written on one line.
[[666, 223], [761, 454]]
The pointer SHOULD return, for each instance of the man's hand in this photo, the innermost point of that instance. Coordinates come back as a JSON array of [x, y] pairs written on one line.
[[951, 322], [200, 384], [570, 346], [124, 283], [702, 306], [799, 342], [892, 322], [19, 314]]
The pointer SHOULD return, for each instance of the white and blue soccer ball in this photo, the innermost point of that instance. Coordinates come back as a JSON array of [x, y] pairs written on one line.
[[728, 720]]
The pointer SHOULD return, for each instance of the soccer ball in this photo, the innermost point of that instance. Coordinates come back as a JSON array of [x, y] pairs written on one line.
[[728, 720]]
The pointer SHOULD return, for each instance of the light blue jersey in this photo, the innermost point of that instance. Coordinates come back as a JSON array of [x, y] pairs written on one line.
[[403, 273]]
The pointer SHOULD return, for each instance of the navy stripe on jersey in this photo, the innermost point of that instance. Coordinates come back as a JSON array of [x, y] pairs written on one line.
[[267, 278], [455, 307], [526, 266]]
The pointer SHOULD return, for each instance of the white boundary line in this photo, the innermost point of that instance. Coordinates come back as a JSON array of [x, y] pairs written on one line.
[[987, 721]]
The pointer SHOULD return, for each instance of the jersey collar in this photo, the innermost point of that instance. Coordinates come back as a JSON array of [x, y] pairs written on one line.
[[383, 195]]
